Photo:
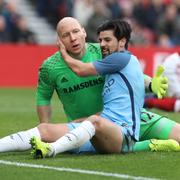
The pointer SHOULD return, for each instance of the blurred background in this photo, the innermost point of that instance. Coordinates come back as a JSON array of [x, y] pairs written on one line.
[[28, 31], [155, 22]]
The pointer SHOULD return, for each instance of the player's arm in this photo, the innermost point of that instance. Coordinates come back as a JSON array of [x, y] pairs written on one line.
[[44, 94], [44, 113], [158, 84], [147, 82], [77, 66]]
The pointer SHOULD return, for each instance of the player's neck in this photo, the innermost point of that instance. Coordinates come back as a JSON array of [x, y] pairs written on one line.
[[78, 55]]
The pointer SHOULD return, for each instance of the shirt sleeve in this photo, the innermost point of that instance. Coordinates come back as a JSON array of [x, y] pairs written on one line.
[[45, 88], [112, 63]]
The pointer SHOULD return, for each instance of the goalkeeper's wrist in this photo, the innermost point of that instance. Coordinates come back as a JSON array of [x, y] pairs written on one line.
[[150, 87]]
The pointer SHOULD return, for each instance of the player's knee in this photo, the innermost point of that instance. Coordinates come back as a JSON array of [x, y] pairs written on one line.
[[175, 133], [97, 121], [43, 130], [93, 119]]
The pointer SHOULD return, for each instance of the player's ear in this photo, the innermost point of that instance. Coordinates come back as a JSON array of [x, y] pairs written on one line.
[[122, 42], [84, 32], [57, 41], [58, 38]]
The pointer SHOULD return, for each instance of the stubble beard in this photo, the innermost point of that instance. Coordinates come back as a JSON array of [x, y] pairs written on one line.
[[107, 53]]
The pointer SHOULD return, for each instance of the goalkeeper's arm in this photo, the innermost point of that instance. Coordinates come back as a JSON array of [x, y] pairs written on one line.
[[147, 82], [158, 84]]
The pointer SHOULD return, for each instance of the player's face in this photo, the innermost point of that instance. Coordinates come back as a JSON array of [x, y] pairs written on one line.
[[109, 43], [73, 37]]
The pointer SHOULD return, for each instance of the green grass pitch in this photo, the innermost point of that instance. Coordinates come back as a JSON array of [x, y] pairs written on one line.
[[18, 112]]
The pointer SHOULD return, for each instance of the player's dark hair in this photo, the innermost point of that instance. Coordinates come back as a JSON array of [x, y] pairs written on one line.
[[121, 29]]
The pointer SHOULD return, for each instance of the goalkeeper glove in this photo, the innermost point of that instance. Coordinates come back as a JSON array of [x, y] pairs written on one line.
[[159, 83]]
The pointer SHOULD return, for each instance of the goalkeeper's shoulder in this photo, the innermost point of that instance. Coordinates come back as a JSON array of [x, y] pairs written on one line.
[[51, 60], [93, 47]]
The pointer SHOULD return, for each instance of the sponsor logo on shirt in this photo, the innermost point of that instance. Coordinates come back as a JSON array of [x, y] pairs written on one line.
[[84, 85], [63, 80], [108, 86]]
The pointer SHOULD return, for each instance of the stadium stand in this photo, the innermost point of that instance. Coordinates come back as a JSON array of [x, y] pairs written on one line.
[[155, 22]]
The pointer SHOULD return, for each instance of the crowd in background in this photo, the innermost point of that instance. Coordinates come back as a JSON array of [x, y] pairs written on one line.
[[13, 26], [154, 22]]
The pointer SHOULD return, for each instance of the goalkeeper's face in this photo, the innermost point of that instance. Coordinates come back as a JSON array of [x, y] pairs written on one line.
[[108, 42], [72, 36]]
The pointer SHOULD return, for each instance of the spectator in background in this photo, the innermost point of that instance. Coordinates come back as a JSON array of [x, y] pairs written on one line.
[[13, 26], [83, 10], [60, 9], [126, 8], [146, 12], [22, 34], [164, 41], [169, 24], [11, 15], [43, 7], [141, 36], [114, 8], [53, 10], [101, 13], [4, 35], [1, 6], [172, 72], [157, 18]]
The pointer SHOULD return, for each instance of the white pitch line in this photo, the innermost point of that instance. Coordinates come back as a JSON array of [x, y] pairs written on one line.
[[81, 171]]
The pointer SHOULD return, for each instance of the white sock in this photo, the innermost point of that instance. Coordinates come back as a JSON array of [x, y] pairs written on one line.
[[74, 138], [177, 106], [18, 141]]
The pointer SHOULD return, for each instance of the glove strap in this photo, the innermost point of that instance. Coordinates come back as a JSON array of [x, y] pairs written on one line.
[[150, 86]]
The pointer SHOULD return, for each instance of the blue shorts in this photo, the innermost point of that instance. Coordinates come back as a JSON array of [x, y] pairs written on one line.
[[128, 141], [127, 146]]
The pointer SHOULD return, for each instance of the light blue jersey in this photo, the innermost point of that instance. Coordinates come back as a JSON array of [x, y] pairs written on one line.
[[123, 93]]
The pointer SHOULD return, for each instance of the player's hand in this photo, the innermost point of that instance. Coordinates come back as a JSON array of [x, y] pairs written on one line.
[[61, 46], [159, 84]]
